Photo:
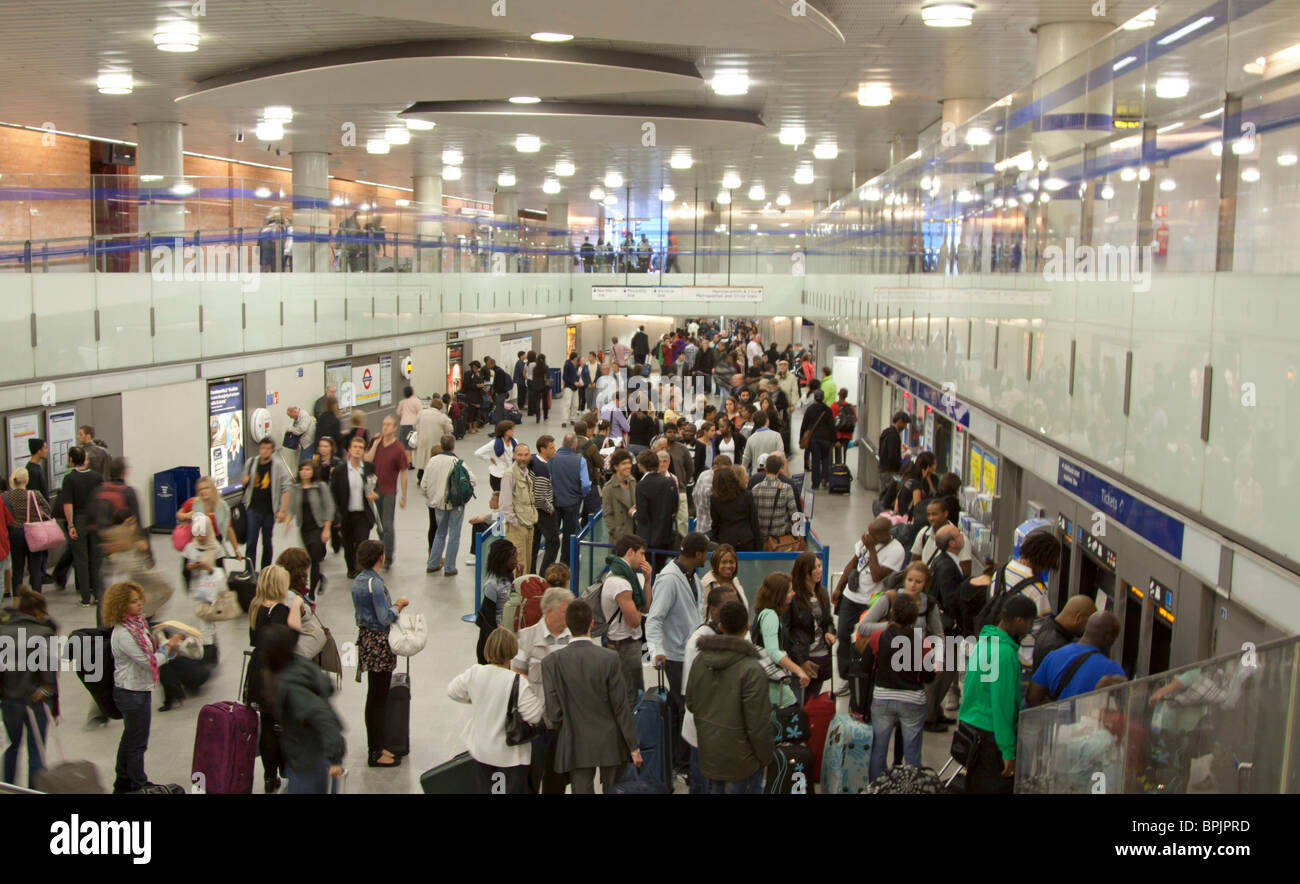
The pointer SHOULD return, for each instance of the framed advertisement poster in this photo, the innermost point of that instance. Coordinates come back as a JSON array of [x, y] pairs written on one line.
[[226, 434], [21, 428]]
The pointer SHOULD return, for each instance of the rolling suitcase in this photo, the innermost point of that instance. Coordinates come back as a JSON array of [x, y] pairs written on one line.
[[790, 772], [790, 723], [840, 480], [846, 761], [98, 681], [225, 749], [459, 776], [654, 731], [397, 715], [820, 710], [241, 579]]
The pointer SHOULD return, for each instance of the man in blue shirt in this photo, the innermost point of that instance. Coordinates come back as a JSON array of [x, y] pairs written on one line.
[[1075, 669], [570, 482]]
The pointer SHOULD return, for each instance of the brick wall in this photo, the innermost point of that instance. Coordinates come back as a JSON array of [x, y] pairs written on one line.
[[62, 168]]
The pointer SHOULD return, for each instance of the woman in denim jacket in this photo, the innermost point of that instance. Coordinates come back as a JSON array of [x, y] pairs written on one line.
[[375, 613]]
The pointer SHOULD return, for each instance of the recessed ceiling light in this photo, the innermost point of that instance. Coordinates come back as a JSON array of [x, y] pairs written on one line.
[[115, 83], [270, 130], [1123, 62], [417, 125], [948, 15], [978, 137], [803, 175], [451, 173], [262, 193], [792, 136], [757, 193], [528, 144], [397, 135], [550, 185], [1144, 19], [875, 95], [564, 168], [1107, 192], [1173, 87], [597, 194], [925, 182], [1144, 174], [1286, 159], [506, 179], [724, 197], [681, 161], [1168, 184], [177, 36], [524, 99], [551, 37], [338, 201], [998, 201], [667, 194], [1255, 67], [730, 83], [1243, 146], [1250, 173], [613, 180], [378, 146], [731, 181], [182, 189], [401, 203], [452, 157], [783, 200], [1044, 197], [871, 194], [964, 196], [753, 227], [610, 199], [280, 112], [1054, 184], [826, 151]]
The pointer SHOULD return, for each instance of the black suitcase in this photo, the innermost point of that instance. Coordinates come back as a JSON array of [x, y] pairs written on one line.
[[790, 772], [840, 480], [459, 776], [459, 427], [397, 715], [100, 689], [241, 579], [160, 789]]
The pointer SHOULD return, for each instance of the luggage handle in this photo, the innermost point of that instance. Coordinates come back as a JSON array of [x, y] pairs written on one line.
[[41, 749]]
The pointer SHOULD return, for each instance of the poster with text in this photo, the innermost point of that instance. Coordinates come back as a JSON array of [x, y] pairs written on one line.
[[226, 434], [365, 385], [21, 428], [339, 376], [976, 466], [385, 380], [990, 484], [60, 435]]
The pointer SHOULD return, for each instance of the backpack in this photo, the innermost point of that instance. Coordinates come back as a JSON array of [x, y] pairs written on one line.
[[847, 418], [460, 490], [110, 497], [991, 612], [592, 596], [524, 606], [888, 496]]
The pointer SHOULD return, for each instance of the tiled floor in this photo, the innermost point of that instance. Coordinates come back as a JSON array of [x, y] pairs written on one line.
[[436, 721]]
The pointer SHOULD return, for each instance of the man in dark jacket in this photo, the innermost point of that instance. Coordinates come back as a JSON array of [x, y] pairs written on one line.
[[1065, 628], [353, 490], [656, 504], [727, 695], [703, 366], [586, 699], [640, 345], [572, 389], [311, 735], [821, 421], [890, 450], [28, 630], [500, 388]]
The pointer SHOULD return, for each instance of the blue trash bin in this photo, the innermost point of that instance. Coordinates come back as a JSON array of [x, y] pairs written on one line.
[[557, 382], [171, 488]]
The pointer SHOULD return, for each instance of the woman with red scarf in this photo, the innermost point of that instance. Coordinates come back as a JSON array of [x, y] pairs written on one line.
[[137, 658]]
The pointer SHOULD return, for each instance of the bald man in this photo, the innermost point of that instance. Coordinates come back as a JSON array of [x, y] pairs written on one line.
[[946, 577], [1077, 668], [1065, 627], [876, 556]]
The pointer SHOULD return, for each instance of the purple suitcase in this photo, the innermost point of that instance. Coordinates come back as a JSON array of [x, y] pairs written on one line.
[[225, 749]]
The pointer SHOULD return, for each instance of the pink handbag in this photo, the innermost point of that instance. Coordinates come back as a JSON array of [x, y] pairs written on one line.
[[42, 534]]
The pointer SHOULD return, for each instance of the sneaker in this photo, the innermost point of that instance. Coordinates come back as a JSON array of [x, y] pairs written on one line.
[[471, 562], [842, 691], [85, 604]]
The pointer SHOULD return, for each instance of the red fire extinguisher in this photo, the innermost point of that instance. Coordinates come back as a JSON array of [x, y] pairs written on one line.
[[1162, 241]]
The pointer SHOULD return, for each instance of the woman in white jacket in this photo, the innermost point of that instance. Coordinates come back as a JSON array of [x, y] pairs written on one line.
[[488, 687], [499, 453]]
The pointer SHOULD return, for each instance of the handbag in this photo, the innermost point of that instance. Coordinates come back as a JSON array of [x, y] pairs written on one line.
[[408, 635], [785, 542], [182, 534], [42, 534], [291, 440], [226, 607], [207, 584], [519, 731], [311, 641], [413, 440], [805, 438], [329, 659], [66, 777]]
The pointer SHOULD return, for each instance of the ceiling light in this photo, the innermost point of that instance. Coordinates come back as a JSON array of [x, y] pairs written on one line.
[[1173, 87], [948, 15], [1184, 31], [397, 135], [506, 179], [784, 199], [1107, 192], [1209, 115], [451, 173], [792, 136], [115, 83], [1144, 174], [681, 161], [964, 196], [417, 125], [1012, 201], [564, 168], [338, 201], [1168, 184], [979, 137], [270, 130], [804, 175], [1286, 159], [1044, 197], [378, 146], [282, 113], [1144, 19], [1216, 148], [998, 201], [826, 151], [613, 180], [1171, 127], [1027, 198], [597, 194], [1123, 62], [1243, 146], [182, 189], [177, 36], [452, 157], [524, 99], [731, 181], [262, 193], [757, 193], [551, 37], [753, 227], [730, 83], [724, 197], [874, 95], [610, 199], [925, 182], [1250, 173], [528, 144], [667, 194], [1255, 67], [401, 203], [550, 185]]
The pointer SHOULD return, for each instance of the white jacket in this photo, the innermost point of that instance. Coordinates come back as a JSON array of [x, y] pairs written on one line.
[[487, 688], [433, 483], [431, 425]]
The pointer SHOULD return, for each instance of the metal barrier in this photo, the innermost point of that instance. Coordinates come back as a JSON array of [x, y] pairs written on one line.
[[481, 541]]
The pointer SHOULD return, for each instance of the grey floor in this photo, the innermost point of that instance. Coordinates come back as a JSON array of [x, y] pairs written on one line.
[[436, 721]]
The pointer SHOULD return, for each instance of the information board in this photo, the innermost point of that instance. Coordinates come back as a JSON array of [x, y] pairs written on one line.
[[21, 428], [385, 380], [60, 434], [975, 479], [339, 376]]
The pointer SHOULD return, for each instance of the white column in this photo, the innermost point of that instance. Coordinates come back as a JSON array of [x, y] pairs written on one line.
[[559, 246], [956, 111], [160, 164], [505, 236], [428, 205], [311, 211]]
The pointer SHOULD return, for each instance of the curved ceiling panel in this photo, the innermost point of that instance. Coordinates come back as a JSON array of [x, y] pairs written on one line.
[[730, 24], [449, 70], [608, 124]]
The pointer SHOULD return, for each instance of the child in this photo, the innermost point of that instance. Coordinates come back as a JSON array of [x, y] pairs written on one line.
[[202, 554]]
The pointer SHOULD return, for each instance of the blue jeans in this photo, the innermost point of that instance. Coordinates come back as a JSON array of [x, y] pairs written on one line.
[[568, 527], [387, 509], [885, 716], [135, 707], [260, 526], [821, 461], [699, 785], [15, 718], [448, 537], [751, 786], [307, 452], [314, 780]]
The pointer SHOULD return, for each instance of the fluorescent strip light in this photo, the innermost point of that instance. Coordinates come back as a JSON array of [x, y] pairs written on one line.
[[1184, 31]]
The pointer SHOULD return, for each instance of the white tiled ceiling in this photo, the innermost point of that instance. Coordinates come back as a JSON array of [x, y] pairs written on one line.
[[54, 50]]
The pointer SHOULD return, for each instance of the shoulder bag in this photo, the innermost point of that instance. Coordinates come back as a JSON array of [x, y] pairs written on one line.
[[786, 542], [312, 638], [518, 730], [806, 438], [42, 534]]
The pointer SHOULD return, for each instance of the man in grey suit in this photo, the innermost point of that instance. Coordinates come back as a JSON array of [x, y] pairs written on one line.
[[586, 698]]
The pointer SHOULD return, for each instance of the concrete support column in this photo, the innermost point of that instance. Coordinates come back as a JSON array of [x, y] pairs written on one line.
[[160, 164], [311, 211], [427, 197], [505, 233], [559, 246]]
